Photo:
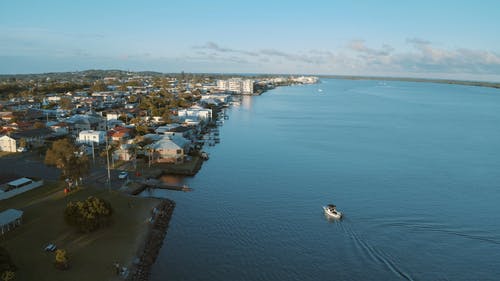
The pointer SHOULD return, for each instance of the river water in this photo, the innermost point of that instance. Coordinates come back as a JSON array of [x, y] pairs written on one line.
[[415, 168]]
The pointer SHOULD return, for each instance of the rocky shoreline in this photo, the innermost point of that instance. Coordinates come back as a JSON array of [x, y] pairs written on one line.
[[160, 219]]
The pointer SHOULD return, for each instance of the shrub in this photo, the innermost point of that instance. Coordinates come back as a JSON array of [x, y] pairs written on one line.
[[61, 259], [88, 215]]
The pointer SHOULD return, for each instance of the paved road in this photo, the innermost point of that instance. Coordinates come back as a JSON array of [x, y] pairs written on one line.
[[30, 164]]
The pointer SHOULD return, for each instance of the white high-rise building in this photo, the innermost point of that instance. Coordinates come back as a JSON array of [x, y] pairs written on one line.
[[222, 84], [236, 85], [247, 86]]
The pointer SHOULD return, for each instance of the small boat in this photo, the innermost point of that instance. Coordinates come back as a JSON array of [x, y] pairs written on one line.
[[331, 211], [204, 155]]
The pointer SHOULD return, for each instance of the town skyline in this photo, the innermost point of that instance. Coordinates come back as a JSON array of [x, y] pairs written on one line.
[[431, 40]]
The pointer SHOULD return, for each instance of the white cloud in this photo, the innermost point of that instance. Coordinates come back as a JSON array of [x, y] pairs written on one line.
[[423, 57]]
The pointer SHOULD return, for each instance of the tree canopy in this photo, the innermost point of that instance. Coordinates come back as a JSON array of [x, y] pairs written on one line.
[[65, 155], [88, 215]]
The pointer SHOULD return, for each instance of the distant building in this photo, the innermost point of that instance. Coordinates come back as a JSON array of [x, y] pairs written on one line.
[[195, 112], [236, 85], [247, 86], [8, 144], [91, 136], [306, 79]]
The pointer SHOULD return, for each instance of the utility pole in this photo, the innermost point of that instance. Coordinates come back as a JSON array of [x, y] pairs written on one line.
[[149, 157], [93, 154], [107, 162]]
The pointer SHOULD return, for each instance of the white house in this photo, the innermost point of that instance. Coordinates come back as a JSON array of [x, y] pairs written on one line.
[[91, 136], [112, 116], [8, 144], [195, 112]]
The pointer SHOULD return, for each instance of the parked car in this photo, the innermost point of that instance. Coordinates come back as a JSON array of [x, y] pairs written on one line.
[[50, 247], [122, 175]]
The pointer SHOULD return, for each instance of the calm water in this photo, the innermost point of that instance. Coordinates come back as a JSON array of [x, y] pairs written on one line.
[[415, 167]]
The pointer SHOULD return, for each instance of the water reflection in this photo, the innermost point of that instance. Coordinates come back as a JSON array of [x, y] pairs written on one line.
[[246, 102]]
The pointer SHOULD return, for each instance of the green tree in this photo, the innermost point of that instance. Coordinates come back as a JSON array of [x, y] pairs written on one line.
[[88, 215], [65, 155], [66, 103], [22, 142], [141, 129], [99, 86], [132, 99]]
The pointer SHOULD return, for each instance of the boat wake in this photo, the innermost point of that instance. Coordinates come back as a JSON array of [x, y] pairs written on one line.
[[376, 255], [444, 230]]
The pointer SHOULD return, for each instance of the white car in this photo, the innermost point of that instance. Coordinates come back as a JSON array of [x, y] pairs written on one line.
[[22, 149], [50, 248], [122, 175]]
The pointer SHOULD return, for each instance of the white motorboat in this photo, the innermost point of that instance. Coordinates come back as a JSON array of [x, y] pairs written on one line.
[[331, 211]]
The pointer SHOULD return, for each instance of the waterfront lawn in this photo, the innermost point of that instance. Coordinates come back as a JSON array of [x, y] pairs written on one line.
[[188, 168], [92, 255]]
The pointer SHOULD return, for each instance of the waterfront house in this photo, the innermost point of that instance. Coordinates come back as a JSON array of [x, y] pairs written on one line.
[[166, 150], [195, 112]]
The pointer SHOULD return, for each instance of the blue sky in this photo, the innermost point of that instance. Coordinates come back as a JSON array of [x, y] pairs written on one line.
[[444, 39]]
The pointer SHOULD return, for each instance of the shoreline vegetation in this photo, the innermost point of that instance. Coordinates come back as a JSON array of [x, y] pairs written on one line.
[[410, 79]]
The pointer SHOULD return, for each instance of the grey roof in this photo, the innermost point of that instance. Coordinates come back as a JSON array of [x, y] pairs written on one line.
[[9, 216]]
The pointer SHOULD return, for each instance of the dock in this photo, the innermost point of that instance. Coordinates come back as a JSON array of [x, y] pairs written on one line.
[[157, 184]]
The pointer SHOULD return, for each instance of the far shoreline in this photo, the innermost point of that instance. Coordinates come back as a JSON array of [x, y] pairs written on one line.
[[495, 85]]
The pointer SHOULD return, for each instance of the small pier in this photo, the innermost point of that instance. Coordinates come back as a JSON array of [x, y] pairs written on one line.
[[157, 184]]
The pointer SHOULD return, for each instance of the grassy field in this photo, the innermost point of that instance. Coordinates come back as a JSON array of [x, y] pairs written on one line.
[[91, 256]]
